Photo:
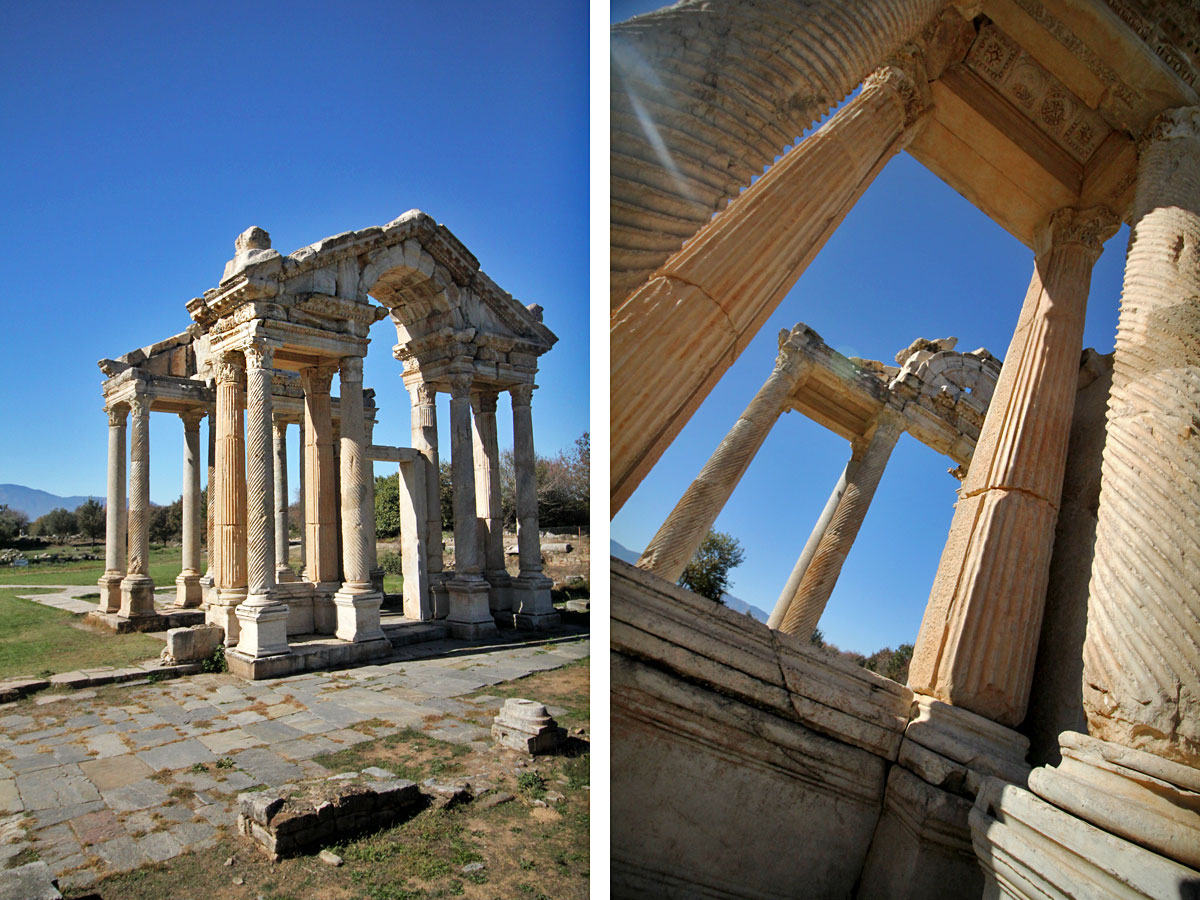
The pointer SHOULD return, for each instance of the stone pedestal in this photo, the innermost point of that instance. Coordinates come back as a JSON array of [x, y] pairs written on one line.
[[527, 726], [534, 608], [469, 616], [137, 587]]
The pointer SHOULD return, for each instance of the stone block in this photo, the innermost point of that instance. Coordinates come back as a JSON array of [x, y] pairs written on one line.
[[526, 725], [192, 644], [33, 881]]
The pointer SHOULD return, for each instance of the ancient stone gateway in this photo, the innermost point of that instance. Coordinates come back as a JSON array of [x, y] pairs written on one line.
[[1060, 120], [260, 356]]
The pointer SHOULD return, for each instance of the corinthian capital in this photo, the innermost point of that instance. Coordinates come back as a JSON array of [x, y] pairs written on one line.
[[1174, 124], [522, 394], [117, 414], [484, 402], [905, 75], [192, 419], [423, 393], [230, 369], [352, 368], [1089, 228], [259, 354], [317, 379], [460, 386]]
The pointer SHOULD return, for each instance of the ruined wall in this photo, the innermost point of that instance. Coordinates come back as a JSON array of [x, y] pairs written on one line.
[[1056, 701]]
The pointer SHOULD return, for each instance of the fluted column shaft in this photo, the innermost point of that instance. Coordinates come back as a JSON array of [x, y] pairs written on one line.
[[821, 575], [680, 536], [320, 498], [487, 481], [229, 516], [114, 534], [529, 546], [1141, 656], [677, 334], [210, 539], [301, 505], [704, 96], [468, 560], [425, 440], [283, 571], [355, 562], [188, 582], [979, 636], [369, 507], [139, 488]]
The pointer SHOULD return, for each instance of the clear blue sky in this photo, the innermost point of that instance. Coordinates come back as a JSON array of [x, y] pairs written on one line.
[[913, 259], [141, 138]]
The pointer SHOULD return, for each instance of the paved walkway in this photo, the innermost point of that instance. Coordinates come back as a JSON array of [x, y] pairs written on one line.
[[62, 596], [96, 784]]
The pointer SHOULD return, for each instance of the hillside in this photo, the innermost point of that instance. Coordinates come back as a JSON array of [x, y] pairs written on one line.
[[35, 503]]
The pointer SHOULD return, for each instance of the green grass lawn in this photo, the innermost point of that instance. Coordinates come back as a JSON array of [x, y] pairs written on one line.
[[36, 639], [165, 564]]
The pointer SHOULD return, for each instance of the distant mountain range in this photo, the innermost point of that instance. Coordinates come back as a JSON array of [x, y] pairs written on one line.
[[35, 503], [735, 603]]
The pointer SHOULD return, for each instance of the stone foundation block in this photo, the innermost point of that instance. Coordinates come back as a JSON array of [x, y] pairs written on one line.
[[527, 726], [33, 881], [469, 618], [357, 615], [188, 594], [192, 644]]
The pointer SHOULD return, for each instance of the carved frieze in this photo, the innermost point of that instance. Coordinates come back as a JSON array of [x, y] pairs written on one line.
[[1169, 28]]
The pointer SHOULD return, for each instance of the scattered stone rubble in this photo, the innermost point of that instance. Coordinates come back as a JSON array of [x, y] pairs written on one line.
[[527, 726]]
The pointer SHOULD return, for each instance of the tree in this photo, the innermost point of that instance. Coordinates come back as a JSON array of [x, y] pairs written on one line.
[[56, 523], [12, 523], [166, 522], [708, 572], [817, 638], [92, 519], [387, 506]]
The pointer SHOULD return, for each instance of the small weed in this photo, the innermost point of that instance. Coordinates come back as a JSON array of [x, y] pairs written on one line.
[[225, 763], [156, 677], [527, 864], [578, 772], [532, 784], [199, 767], [216, 662], [45, 673], [181, 793]]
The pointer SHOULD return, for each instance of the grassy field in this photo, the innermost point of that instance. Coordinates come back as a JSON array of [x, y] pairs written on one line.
[[36, 640], [165, 564]]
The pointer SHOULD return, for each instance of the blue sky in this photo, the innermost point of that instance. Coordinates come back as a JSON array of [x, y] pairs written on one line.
[[912, 259], [141, 139]]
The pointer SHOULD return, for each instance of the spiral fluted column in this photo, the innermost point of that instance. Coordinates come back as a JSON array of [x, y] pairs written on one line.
[[680, 536], [821, 575], [187, 584], [705, 95], [137, 588], [1141, 656], [356, 602], [114, 534], [229, 500], [978, 639], [676, 335]]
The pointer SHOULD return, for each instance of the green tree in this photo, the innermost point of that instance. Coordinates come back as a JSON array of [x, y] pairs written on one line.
[[166, 522], [92, 519], [446, 494], [56, 523], [817, 638], [12, 523], [387, 506], [708, 572]]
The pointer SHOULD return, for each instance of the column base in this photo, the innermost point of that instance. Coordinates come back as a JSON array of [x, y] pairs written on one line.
[[469, 617], [357, 610], [222, 611], [377, 574], [324, 613], [500, 599], [188, 594], [263, 628], [207, 583], [285, 575], [533, 609], [439, 595], [137, 597], [110, 592]]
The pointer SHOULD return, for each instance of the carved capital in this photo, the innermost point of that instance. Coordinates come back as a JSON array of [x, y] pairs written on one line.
[[231, 369], [889, 425], [317, 379], [460, 386], [259, 354], [352, 369], [905, 75], [1174, 124], [139, 406], [423, 394], [117, 414], [1089, 228], [484, 402], [522, 394], [192, 419]]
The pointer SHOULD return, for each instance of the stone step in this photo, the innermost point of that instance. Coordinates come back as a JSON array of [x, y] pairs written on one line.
[[410, 632]]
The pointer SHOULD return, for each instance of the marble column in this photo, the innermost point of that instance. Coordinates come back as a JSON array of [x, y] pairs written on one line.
[[187, 585], [356, 602], [207, 580], [810, 546], [680, 536], [425, 439], [979, 636], [300, 504], [229, 500], [137, 588], [533, 607], [115, 521], [262, 617], [821, 575], [469, 616], [674, 338], [487, 499], [373, 566], [283, 570], [1141, 655], [320, 496]]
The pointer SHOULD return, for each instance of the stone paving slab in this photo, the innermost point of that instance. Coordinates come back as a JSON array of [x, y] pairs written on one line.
[[113, 784]]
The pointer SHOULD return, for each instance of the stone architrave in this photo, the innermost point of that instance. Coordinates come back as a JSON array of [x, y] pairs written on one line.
[[821, 574], [115, 521], [261, 616], [697, 112], [469, 615], [320, 495], [425, 440], [676, 335], [487, 498], [137, 587], [283, 570], [978, 640], [532, 604], [187, 584], [1141, 655], [207, 580], [356, 602], [229, 502], [680, 536]]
